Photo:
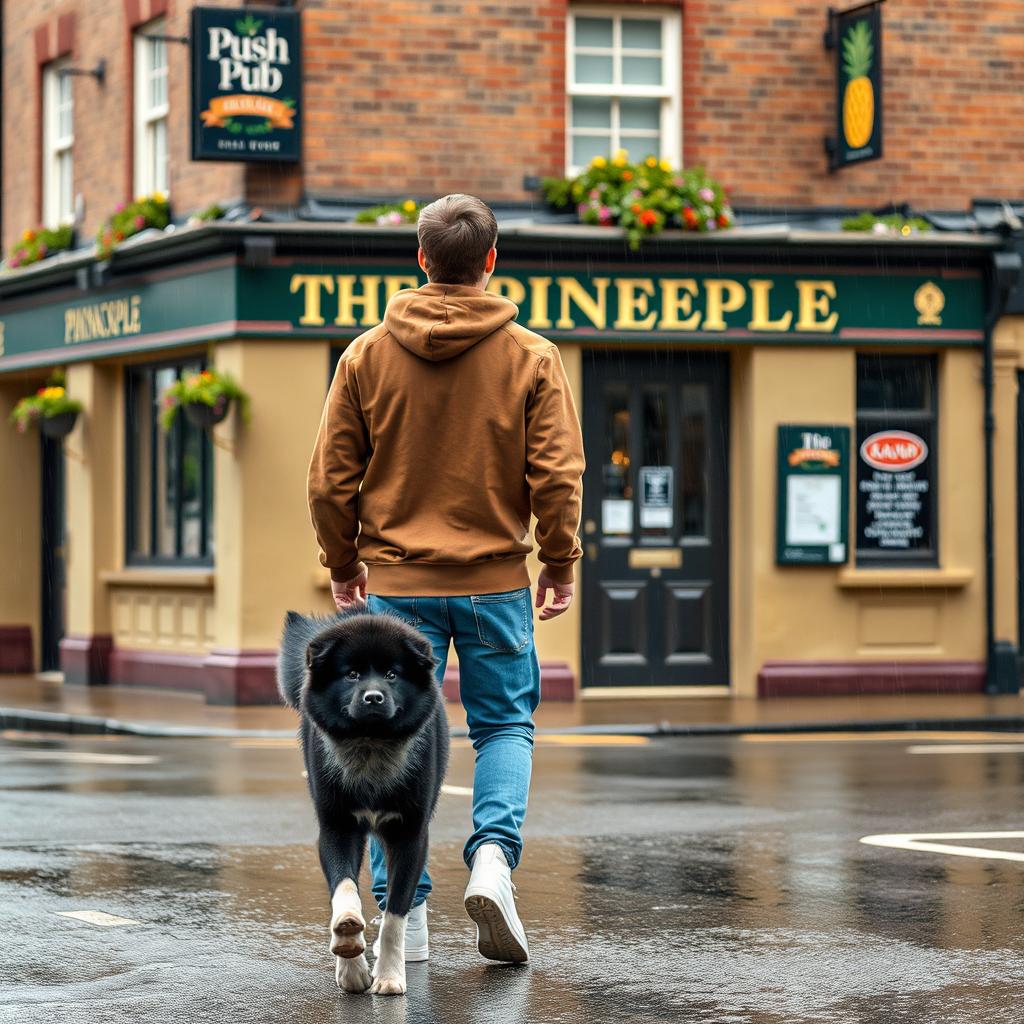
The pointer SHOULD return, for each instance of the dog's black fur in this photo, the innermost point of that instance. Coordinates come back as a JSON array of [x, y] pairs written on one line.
[[374, 763]]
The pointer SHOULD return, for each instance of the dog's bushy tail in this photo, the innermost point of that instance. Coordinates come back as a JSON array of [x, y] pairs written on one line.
[[291, 659]]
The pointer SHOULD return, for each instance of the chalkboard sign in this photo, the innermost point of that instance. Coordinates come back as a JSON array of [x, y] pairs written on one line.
[[895, 487], [246, 84], [812, 495]]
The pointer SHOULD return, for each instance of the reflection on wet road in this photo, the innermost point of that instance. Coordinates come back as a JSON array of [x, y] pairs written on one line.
[[673, 880]]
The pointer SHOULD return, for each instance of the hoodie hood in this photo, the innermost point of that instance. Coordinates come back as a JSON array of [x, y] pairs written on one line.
[[441, 321]]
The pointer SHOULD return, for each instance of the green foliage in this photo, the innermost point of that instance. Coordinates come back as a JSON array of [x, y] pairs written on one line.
[[407, 212], [36, 245], [51, 400], [129, 219], [858, 50], [208, 387], [889, 224], [212, 212], [644, 198]]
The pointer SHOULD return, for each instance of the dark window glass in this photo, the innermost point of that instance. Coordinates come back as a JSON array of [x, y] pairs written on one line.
[[169, 475], [897, 460]]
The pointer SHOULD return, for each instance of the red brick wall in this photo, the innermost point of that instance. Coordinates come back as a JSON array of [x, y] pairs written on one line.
[[422, 97], [39, 31], [758, 98]]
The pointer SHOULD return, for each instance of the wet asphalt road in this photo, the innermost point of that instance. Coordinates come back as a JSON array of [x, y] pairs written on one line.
[[712, 880]]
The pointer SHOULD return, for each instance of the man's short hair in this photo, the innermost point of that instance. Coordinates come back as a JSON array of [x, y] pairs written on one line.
[[455, 233]]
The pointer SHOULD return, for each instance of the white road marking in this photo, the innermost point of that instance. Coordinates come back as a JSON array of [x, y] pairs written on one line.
[[925, 842], [97, 917], [457, 790], [79, 757], [968, 748]]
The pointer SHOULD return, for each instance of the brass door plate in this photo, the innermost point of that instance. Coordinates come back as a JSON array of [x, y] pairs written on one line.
[[655, 558]]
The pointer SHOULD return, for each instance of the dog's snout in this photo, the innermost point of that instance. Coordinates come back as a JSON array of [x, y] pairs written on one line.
[[373, 697]]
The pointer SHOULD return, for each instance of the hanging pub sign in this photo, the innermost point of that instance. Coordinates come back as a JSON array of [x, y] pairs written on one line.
[[246, 84], [812, 495], [855, 37], [895, 486]]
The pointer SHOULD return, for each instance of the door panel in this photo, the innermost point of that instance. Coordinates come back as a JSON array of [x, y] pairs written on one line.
[[655, 597]]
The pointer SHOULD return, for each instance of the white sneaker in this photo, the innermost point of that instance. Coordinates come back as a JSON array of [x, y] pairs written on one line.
[[416, 946], [491, 904]]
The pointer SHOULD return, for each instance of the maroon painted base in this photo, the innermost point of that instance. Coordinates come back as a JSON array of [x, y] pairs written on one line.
[[223, 676], [16, 649], [867, 679], [557, 682], [85, 660]]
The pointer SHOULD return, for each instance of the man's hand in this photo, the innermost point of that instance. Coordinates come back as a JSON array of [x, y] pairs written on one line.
[[562, 598], [350, 595]]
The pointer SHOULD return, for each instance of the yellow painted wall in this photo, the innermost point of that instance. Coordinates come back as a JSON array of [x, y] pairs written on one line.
[[94, 469], [1008, 353], [266, 554], [20, 539], [823, 613]]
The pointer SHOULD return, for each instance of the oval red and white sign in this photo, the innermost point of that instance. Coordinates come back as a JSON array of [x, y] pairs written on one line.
[[894, 451]]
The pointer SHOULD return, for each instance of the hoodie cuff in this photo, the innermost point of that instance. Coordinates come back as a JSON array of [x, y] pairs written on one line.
[[348, 572], [559, 573]]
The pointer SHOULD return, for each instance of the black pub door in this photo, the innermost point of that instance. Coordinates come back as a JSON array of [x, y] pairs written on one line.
[[655, 519], [53, 576]]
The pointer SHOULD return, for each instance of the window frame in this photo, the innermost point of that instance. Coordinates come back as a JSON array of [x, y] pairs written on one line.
[[926, 558], [670, 92], [133, 435], [148, 117], [57, 147]]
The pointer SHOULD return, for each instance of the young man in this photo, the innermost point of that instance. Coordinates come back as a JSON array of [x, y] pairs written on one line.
[[445, 427]]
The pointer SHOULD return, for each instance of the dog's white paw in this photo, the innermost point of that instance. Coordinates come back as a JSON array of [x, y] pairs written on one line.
[[391, 986], [353, 975]]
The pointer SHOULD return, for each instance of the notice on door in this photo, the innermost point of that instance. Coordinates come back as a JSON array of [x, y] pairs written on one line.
[[812, 495], [656, 497]]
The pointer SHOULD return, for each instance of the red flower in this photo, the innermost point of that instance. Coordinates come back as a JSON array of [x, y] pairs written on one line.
[[648, 218], [689, 216], [627, 175], [723, 221]]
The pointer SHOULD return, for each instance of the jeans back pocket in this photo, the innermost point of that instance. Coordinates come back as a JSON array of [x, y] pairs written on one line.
[[503, 621]]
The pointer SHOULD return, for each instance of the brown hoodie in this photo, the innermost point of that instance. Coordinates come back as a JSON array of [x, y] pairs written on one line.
[[444, 428]]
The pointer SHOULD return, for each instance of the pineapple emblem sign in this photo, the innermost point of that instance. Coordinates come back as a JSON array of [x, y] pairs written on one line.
[[856, 37]]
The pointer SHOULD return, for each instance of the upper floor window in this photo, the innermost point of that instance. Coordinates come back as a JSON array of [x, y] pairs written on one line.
[[150, 109], [623, 79], [58, 142]]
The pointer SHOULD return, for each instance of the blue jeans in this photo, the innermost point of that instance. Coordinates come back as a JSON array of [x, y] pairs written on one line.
[[499, 683]]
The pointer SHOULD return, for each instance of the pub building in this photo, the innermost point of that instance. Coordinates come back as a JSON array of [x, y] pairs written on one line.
[[802, 442]]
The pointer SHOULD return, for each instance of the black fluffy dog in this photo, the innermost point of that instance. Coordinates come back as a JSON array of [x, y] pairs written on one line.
[[375, 742]]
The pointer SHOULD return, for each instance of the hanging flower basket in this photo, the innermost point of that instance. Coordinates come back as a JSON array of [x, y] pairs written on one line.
[[643, 198], [50, 408], [206, 398], [129, 219], [206, 417], [58, 426], [36, 245]]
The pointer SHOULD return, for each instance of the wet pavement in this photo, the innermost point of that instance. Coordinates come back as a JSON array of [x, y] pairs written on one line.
[[152, 710], [712, 880]]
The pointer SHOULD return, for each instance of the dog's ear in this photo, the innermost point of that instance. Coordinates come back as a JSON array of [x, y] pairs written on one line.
[[317, 650], [419, 647]]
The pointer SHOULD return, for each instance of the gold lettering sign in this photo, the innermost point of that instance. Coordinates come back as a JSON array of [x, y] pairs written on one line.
[[628, 304], [113, 318]]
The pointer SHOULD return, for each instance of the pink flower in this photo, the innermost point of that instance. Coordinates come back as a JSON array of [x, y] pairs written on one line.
[[604, 215], [394, 217], [119, 207], [42, 250], [595, 194], [706, 194], [15, 262], [140, 221]]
